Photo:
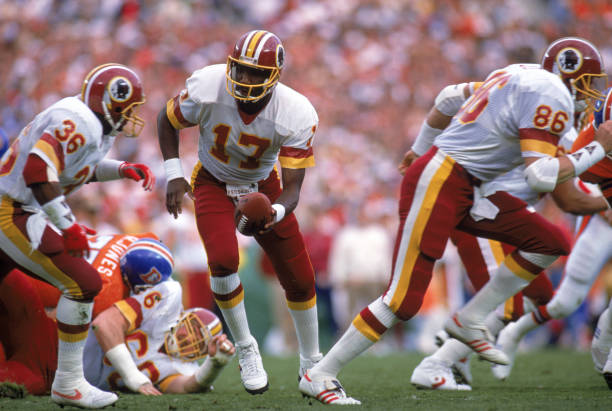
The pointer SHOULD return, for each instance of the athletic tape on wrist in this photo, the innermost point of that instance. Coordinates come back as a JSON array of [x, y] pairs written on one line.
[[59, 212], [173, 168], [425, 139], [120, 358], [586, 157], [108, 170], [280, 212], [207, 373]]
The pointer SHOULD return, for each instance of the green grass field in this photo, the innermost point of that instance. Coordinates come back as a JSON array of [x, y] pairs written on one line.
[[543, 380]]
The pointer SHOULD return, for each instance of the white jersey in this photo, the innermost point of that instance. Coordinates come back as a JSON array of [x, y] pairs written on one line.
[[484, 135], [151, 314], [68, 137], [514, 181], [237, 149]]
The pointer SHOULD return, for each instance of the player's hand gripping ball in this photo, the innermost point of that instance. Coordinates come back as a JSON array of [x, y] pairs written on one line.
[[252, 213]]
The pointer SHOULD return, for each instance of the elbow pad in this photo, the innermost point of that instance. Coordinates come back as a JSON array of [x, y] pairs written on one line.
[[450, 99], [542, 174]]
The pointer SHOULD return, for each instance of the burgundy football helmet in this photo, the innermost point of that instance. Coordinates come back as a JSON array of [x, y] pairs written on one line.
[[115, 92], [580, 66], [260, 54], [189, 338]]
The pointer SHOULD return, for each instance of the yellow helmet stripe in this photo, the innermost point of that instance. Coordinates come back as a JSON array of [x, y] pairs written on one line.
[[252, 46]]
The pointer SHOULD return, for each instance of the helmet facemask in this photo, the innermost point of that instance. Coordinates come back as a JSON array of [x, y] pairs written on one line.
[[267, 78], [587, 90], [189, 339]]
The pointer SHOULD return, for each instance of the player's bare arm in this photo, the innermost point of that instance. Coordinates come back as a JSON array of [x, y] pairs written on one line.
[[110, 328], [571, 199], [169, 144], [603, 135]]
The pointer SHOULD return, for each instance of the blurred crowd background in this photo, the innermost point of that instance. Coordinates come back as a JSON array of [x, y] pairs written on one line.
[[371, 68]]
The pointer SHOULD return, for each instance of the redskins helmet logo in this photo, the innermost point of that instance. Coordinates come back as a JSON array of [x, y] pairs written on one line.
[[280, 56], [569, 60], [120, 89], [152, 277]]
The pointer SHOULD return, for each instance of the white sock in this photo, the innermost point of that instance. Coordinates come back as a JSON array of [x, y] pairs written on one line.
[[307, 330], [523, 325], [236, 320], [493, 323], [71, 345], [350, 345], [500, 287], [452, 351], [354, 342], [233, 311]]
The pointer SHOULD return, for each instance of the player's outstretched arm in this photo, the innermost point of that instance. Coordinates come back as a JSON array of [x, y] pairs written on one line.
[[110, 328], [220, 353], [177, 185], [109, 169]]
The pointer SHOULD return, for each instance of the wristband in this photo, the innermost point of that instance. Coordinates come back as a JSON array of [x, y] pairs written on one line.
[[59, 212], [425, 139], [120, 358], [280, 212], [173, 168], [586, 157], [108, 170], [208, 372]]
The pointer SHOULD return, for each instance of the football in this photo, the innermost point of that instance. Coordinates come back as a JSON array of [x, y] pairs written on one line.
[[252, 213]]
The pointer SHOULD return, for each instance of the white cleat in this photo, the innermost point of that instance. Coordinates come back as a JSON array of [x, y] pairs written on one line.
[[508, 343], [441, 337], [83, 395], [252, 373], [599, 351], [607, 372], [308, 363], [462, 372], [477, 337], [436, 375], [325, 389]]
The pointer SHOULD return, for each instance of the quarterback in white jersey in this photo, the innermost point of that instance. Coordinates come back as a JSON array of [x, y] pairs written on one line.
[[59, 151], [513, 117], [248, 121]]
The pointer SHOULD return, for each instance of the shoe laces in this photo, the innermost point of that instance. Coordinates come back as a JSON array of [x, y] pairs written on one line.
[[249, 360]]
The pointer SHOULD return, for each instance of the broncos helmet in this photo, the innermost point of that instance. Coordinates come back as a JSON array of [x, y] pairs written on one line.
[[4, 142], [603, 109], [146, 262]]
